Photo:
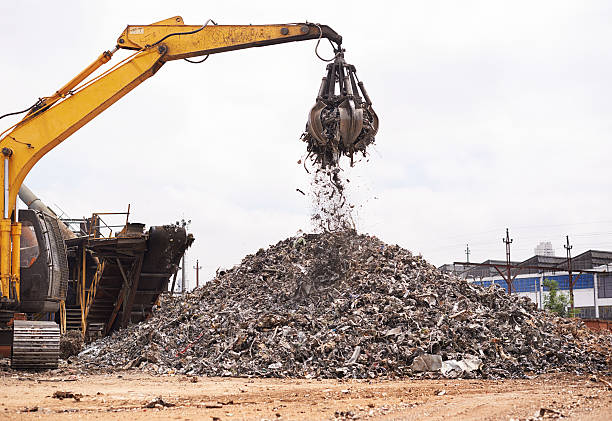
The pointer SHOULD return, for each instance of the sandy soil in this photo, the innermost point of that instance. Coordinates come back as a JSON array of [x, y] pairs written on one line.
[[123, 397]]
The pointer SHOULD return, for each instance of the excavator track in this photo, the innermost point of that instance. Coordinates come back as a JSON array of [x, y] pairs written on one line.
[[35, 345]]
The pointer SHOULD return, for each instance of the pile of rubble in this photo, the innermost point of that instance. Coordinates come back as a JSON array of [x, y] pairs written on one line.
[[344, 305], [71, 343]]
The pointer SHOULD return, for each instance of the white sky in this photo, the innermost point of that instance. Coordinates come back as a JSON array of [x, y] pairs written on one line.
[[493, 114]]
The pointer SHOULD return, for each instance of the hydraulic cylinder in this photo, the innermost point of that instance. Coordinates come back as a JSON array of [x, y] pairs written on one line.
[[5, 256], [15, 258]]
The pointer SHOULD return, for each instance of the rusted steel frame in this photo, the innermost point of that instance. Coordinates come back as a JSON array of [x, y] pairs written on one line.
[[508, 281], [122, 292], [573, 279], [572, 282], [129, 302], [91, 295], [82, 301], [544, 268], [127, 216], [173, 282]]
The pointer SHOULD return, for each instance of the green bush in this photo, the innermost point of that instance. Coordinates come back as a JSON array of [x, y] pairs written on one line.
[[556, 301]]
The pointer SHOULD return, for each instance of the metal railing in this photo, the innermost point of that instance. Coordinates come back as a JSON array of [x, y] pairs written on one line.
[[97, 224]]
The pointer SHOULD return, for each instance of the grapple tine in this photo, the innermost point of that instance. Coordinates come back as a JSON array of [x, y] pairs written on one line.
[[351, 121], [369, 108], [374, 121], [355, 123], [314, 126]]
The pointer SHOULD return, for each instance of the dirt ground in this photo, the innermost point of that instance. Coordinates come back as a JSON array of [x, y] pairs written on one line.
[[125, 396]]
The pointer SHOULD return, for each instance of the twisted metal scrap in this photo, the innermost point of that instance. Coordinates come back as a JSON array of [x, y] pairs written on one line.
[[342, 121]]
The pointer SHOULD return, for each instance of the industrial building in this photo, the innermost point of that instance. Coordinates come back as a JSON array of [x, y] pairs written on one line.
[[591, 272]]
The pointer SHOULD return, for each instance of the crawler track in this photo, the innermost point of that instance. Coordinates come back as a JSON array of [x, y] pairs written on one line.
[[35, 345]]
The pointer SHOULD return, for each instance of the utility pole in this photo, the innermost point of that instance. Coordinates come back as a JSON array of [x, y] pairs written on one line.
[[467, 253], [508, 241], [197, 267], [568, 247], [184, 224]]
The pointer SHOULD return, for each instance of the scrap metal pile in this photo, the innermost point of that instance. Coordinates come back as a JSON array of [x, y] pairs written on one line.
[[342, 122], [343, 305]]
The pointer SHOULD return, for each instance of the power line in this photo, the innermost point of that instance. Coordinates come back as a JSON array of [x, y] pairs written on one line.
[[523, 238], [531, 227]]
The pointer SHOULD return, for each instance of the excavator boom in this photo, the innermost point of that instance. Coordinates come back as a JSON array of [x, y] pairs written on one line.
[[54, 118], [186, 41]]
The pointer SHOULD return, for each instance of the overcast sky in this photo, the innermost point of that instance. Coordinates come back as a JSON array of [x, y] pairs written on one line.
[[493, 114]]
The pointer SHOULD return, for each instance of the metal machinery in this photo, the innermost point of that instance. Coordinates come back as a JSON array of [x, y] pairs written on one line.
[[342, 121], [88, 281], [117, 279], [39, 286], [44, 270]]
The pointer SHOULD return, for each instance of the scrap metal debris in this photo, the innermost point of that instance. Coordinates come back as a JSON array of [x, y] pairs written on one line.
[[330, 209], [71, 343], [61, 395], [158, 402], [344, 305]]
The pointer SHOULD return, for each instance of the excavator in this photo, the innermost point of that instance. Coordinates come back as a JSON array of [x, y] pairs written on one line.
[[33, 256]]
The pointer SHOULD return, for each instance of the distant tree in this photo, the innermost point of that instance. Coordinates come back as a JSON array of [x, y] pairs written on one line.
[[556, 301]]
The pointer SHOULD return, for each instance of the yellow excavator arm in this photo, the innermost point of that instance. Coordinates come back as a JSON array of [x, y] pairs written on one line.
[[52, 119]]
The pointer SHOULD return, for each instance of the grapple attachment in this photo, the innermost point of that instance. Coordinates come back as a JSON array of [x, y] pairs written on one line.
[[342, 120]]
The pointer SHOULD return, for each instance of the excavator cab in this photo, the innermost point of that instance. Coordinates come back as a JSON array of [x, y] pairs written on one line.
[[34, 344], [44, 265]]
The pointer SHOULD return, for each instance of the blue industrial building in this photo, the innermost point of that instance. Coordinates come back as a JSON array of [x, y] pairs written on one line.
[[591, 270]]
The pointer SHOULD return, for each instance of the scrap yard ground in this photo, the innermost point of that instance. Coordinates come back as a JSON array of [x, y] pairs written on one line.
[[126, 395]]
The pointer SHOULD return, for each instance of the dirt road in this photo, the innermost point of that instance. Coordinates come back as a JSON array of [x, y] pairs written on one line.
[[124, 396]]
